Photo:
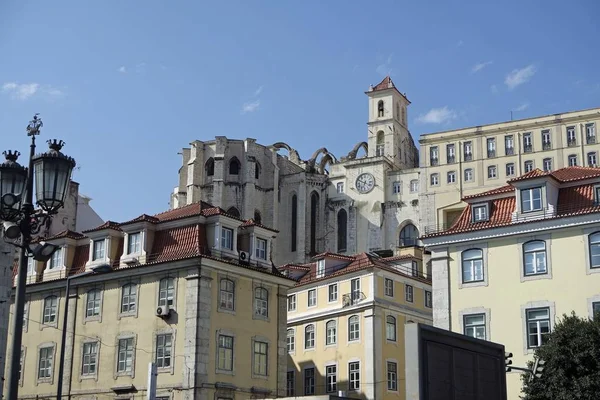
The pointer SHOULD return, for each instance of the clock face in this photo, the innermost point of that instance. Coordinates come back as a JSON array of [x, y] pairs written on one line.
[[365, 183]]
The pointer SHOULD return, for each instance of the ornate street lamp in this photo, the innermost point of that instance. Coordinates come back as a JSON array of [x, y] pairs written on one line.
[[52, 171]]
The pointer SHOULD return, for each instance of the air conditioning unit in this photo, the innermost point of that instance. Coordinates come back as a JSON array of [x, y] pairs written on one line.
[[244, 257], [129, 259], [163, 311]]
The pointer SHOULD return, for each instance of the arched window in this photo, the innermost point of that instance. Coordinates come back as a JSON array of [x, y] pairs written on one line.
[[314, 209], [534, 256], [380, 108], [234, 166], [397, 110], [331, 332], [210, 167], [234, 212], [403, 116], [291, 340], [50, 305], [390, 328], [294, 224], [256, 170], [92, 308], [380, 147], [309, 337], [257, 217], [128, 298], [409, 235], [472, 265], [226, 294], [342, 228], [414, 186], [595, 250], [166, 292], [353, 328], [261, 302]]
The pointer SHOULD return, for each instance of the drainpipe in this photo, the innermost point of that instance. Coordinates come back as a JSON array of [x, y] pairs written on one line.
[[519, 153], [460, 170], [583, 158]]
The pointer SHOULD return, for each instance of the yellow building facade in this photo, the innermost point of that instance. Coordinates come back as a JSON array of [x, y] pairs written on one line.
[[465, 161], [519, 257], [191, 290], [346, 318]]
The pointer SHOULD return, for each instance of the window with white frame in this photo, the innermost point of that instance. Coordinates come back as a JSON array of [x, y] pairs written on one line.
[[98, 249], [547, 164], [333, 292], [320, 268], [291, 340], [353, 328], [534, 256], [31, 264], [309, 337], [261, 302], [260, 358], [592, 158], [468, 175], [390, 328], [125, 355], [355, 290], [468, 151], [546, 140], [510, 169], [89, 362], [531, 199], [227, 238], [451, 177], [392, 376], [596, 309], [492, 172], [428, 303], [528, 166], [312, 297], [164, 343], [594, 250], [46, 362], [309, 381], [472, 265], [414, 186], [538, 326], [480, 212], [166, 292], [590, 133], [56, 261], [227, 294], [408, 293], [225, 353], [94, 298], [450, 153], [330, 332], [290, 390], [397, 187], [474, 325], [389, 287], [433, 155], [572, 160], [128, 298], [340, 187], [134, 243], [527, 142], [291, 302], [491, 147], [331, 378], [509, 145], [434, 179], [261, 249], [354, 375], [571, 137], [50, 306]]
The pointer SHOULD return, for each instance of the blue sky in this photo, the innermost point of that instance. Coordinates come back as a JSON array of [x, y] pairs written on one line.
[[127, 84]]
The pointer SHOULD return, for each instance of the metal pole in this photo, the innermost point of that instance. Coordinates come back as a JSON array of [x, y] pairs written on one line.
[[63, 340], [17, 325]]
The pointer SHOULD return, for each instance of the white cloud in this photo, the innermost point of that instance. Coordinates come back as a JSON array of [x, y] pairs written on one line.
[[250, 106], [141, 67], [494, 89], [522, 107], [258, 91], [460, 43], [20, 91], [122, 69], [478, 67], [385, 68], [437, 116], [519, 76]]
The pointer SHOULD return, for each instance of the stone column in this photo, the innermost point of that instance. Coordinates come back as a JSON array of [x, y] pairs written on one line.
[[441, 288], [69, 344], [370, 372], [282, 354]]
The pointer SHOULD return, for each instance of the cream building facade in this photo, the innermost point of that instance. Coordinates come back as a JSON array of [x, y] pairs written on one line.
[[519, 257], [357, 203], [178, 295], [346, 318], [465, 161]]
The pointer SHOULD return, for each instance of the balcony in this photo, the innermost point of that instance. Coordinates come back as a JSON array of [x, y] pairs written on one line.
[[527, 148], [468, 156], [434, 162], [509, 151], [591, 139], [408, 242], [491, 153], [451, 160], [547, 146], [571, 142], [351, 299]]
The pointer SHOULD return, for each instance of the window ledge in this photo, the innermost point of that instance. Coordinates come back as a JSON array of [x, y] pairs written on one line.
[[261, 377], [88, 377], [224, 372], [226, 311], [128, 314], [261, 317], [44, 380], [124, 373], [535, 277], [49, 325], [93, 318]]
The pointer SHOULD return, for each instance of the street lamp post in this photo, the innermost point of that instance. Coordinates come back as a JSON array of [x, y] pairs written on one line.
[[61, 361], [52, 173]]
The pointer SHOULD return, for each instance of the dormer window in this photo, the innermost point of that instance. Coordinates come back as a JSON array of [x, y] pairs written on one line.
[[134, 243], [227, 238], [261, 249], [480, 213], [531, 199], [320, 268], [597, 194], [99, 249], [56, 261]]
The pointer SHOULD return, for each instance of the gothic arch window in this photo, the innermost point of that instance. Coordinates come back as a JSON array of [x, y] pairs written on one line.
[[314, 210], [257, 170], [234, 166], [294, 224], [380, 144], [234, 212], [342, 230], [397, 110], [210, 167], [403, 116], [380, 108], [257, 217], [409, 235]]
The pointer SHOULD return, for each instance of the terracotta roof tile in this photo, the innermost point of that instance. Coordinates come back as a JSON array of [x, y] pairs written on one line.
[[571, 174], [536, 173], [386, 83], [251, 222], [182, 212], [67, 234], [107, 225], [142, 218], [500, 190], [328, 254], [82, 254], [178, 243]]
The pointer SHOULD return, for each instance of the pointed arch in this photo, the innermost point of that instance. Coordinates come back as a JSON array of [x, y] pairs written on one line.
[[257, 168], [380, 108], [409, 235], [257, 217], [234, 212], [342, 230], [234, 166], [209, 167], [354, 152], [314, 218]]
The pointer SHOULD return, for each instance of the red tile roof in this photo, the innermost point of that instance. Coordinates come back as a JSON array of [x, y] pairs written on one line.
[[251, 222], [567, 174], [328, 254], [493, 192], [107, 225], [66, 234], [386, 83]]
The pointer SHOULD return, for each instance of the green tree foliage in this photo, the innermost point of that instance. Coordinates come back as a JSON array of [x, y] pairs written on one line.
[[572, 369]]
